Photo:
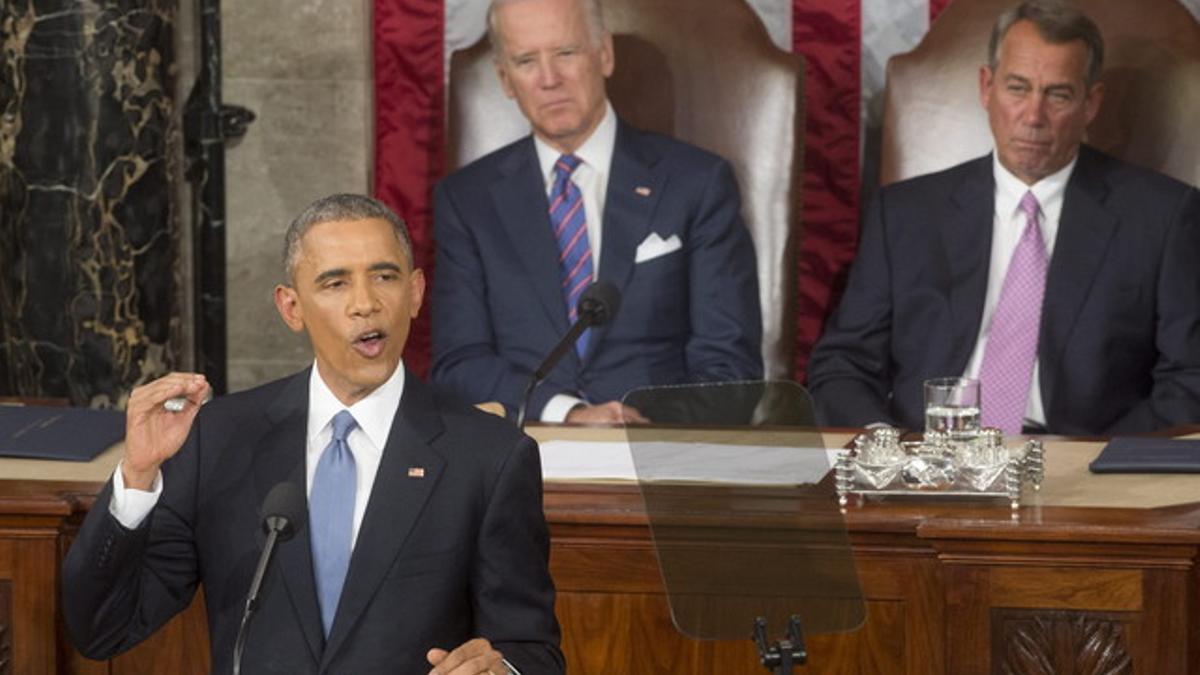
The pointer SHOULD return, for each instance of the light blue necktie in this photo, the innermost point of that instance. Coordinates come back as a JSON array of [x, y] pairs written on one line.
[[569, 221], [331, 516]]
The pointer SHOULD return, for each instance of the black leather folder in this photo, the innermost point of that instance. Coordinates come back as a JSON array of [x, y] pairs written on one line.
[[1148, 455], [74, 434]]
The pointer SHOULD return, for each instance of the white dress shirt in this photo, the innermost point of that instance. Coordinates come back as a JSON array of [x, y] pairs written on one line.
[[1008, 223], [374, 415], [591, 177]]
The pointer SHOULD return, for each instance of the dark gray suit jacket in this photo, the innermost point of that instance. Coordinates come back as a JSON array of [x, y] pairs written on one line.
[[456, 553], [1119, 344], [688, 316]]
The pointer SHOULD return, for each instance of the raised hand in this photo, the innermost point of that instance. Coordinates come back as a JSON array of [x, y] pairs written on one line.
[[152, 433]]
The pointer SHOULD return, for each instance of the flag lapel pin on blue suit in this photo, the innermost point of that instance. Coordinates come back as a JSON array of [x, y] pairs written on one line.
[[416, 472], [642, 190]]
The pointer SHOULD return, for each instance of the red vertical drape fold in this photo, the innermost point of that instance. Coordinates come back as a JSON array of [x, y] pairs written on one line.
[[828, 33], [936, 7], [408, 46]]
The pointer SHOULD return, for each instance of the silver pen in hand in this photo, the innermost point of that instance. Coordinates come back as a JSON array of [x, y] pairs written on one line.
[[179, 403]]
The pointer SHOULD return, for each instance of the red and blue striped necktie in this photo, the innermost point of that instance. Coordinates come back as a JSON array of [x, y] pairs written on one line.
[[569, 222]]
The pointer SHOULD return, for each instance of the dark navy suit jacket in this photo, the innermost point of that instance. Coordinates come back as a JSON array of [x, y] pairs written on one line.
[[691, 315], [1119, 343], [458, 552]]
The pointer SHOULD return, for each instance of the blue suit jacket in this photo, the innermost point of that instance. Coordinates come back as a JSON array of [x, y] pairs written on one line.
[[688, 316], [458, 552], [1119, 343]]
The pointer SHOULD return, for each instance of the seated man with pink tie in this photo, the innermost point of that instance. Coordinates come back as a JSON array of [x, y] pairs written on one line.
[[1062, 278]]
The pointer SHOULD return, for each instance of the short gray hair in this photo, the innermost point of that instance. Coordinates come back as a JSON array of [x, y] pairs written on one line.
[[340, 207], [1057, 22], [593, 15]]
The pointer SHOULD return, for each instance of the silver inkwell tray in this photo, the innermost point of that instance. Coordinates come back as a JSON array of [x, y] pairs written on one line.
[[980, 466]]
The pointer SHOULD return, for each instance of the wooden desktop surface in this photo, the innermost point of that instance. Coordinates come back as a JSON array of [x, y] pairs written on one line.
[[1096, 573]]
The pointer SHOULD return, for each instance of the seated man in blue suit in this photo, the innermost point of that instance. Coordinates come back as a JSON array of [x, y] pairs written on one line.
[[1062, 278], [425, 545], [521, 232]]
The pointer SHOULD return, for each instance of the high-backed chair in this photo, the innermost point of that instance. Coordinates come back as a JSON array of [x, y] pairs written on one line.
[[933, 118], [704, 71]]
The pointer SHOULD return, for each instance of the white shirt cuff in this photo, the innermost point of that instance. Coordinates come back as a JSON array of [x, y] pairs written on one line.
[[558, 406], [130, 506]]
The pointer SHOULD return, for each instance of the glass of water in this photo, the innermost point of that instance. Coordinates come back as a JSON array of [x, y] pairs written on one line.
[[952, 406]]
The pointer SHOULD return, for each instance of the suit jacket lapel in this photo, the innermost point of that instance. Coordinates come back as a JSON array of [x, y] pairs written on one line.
[[968, 244], [1085, 230], [634, 188], [280, 457], [394, 507], [520, 198]]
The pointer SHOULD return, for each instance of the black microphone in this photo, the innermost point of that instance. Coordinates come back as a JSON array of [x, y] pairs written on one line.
[[283, 514], [596, 307]]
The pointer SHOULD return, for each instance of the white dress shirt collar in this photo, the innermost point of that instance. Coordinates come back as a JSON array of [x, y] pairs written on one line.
[[374, 412], [596, 152], [1049, 192]]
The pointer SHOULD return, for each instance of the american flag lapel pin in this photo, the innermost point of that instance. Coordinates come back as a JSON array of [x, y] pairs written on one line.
[[416, 472], [642, 191]]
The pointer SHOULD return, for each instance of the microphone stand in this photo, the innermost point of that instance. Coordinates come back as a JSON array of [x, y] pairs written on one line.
[[275, 526], [551, 360]]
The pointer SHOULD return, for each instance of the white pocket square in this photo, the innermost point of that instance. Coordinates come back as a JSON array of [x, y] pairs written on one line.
[[655, 246]]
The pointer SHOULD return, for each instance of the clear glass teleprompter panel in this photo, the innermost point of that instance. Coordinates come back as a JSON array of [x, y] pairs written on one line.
[[742, 506]]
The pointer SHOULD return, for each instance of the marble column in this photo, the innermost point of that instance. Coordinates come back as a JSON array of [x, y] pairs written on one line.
[[89, 164]]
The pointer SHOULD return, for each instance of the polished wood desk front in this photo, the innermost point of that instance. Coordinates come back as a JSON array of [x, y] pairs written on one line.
[[950, 589], [1068, 586]]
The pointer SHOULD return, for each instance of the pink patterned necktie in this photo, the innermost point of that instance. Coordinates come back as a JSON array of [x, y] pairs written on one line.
[[1011, 349]]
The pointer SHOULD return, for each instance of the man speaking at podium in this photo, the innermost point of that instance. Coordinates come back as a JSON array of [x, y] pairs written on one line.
[[425, 544], [1064, 279]]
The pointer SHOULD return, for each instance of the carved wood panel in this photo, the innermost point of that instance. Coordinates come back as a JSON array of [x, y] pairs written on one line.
[[6, 621], [1039, 642]]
